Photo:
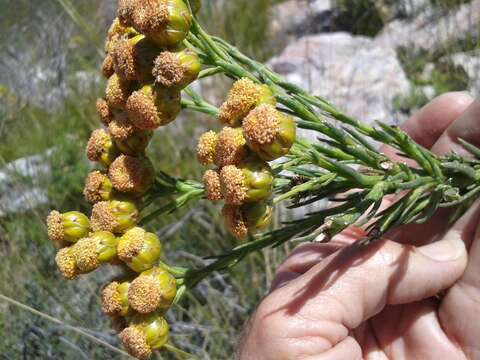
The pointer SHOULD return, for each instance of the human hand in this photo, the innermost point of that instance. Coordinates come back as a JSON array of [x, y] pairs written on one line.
[[341, 300]]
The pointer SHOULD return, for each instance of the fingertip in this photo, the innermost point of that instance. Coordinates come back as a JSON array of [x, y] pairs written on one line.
[[426, 126]]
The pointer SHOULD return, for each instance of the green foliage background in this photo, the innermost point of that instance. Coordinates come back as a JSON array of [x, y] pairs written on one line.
[[62, 41]]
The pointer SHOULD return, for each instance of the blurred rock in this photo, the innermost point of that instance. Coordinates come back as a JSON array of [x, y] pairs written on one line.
[[299, 17], [353, 72], [470, 62], [18, 191], [434, 29]]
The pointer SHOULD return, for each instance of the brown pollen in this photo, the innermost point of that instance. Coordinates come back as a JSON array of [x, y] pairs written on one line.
[[131, 244], [230, 148], [234, 221], [144, 294], [167, 69], [135, 342], [110, 299], [85, 254], [261, 125], [93, 184], [142, 111], [128, 173], [232, 185], [96, 144], [102, 218], [66, 263], [211, 183], [206, 147]]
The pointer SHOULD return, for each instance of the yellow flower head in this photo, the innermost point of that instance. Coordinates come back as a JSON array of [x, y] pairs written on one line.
[[211, 183], [104, 111], [98, 248], [114, 299], [68, 227], [176, 69], [100, 148], [230, 148], [98, 187], [131, 175], [251, 181], [268, 132], [117, 92], [107, 66], [66, 263], [115, 216], [133, 58], [206, 147], [125, 11], [139, 249], [242, 98], [151, 290], [145, 334], [248, 218], [153, 106], [166, 22]]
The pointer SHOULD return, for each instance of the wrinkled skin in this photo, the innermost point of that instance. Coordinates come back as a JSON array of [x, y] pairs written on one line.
[[413, 295]]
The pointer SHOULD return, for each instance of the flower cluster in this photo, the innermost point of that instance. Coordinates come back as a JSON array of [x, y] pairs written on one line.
[[255, 133], [146, 67]]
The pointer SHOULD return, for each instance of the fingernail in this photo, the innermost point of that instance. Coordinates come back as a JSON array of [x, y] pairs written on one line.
[[444, 250]]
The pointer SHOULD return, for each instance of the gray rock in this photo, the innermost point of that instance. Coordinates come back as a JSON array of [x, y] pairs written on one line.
[[353, 72], [470, 62], [433, 30], [18, 190], [298, 17]]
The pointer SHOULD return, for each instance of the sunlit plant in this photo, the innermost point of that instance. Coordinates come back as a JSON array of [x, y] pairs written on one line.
[[155, 49]]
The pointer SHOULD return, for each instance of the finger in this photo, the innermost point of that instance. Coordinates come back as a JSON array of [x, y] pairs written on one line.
[[426, 126], [305, 256], [466, 127], [417, 333], [461, 304]]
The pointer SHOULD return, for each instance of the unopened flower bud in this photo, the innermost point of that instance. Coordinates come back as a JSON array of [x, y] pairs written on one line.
[[131, 175], [242, 98], [154, 289], [269, 133], [129, 139], [153, 106], [176, 69], [67, 227], [104, 112], [115, 299], [100, 148], [107, 66], [211, 184], [133, 58], [139, 249], [206, 147], [115, 216], [145, 334], [251, 181], [230, 148], [117, 92], [166, 22], [98, 187], [248, 218], [98, 248]]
